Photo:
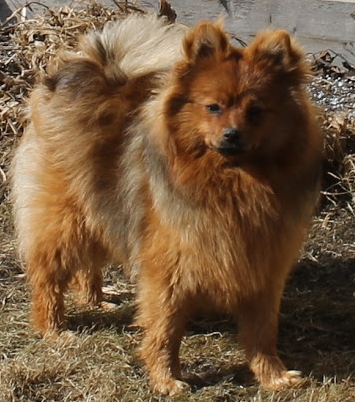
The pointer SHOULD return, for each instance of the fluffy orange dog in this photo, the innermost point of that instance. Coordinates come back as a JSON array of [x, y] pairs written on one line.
[[192, 162]]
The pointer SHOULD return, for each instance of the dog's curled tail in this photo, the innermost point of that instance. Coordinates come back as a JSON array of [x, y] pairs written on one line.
[[135, 46]]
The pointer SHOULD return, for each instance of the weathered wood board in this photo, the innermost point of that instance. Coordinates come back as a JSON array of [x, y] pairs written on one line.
[[319, 24]]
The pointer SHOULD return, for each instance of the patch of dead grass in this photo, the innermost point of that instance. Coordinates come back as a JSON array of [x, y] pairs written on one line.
[[98, 360]]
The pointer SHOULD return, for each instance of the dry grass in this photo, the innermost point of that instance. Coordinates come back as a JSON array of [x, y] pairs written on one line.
[[98, 360]]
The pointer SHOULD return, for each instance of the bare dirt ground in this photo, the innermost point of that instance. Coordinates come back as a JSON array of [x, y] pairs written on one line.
[[98, 361]]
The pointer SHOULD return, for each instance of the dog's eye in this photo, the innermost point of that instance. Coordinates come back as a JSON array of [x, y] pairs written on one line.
[[254, 113], [214, 108]]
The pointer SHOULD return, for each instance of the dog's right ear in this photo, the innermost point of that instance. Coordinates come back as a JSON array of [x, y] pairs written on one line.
[[205, 40]]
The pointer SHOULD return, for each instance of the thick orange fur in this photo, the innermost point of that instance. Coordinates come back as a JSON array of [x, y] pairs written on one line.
[[199, 172]]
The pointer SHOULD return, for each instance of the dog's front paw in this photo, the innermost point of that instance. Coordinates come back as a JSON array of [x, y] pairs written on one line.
[[273, 375], [291, 378], [171, 387]]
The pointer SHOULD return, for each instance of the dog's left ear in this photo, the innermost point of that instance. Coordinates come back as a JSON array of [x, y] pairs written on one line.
[[206, 39], [277, 52]]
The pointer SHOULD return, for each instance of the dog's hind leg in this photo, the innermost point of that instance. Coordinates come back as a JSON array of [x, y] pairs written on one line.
[[54, 246], [88, 279], [49, 283], [71, 257], [89, 285]]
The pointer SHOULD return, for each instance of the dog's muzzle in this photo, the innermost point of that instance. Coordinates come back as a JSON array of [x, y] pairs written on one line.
[[232, 142]]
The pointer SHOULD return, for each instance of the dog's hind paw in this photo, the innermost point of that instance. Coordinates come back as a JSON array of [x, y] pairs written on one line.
[[171, 387]]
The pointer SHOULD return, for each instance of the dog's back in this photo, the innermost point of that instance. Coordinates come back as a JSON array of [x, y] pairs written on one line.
[[91, 92], [64, 166]]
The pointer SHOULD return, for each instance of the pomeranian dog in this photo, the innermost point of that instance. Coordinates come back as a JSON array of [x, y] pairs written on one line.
[[192, 162]]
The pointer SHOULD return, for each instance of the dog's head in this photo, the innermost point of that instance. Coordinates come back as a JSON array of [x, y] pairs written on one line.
[[236, 101]]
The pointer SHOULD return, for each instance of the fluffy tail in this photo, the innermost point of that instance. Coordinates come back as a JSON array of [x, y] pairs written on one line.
[[135, 46]]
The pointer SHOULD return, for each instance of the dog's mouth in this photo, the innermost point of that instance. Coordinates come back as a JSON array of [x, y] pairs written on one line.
[[231, 150]]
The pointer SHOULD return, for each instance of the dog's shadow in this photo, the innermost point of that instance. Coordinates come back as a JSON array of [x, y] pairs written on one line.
[[317, 323], [116, 313], [317, 326], [237, 374]]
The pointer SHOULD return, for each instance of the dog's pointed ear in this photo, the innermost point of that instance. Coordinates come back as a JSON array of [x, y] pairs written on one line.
[[276, 51], [206, 39]]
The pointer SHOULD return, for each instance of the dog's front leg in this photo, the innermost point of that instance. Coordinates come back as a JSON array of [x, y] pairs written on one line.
[[163, 318], [258, 321]]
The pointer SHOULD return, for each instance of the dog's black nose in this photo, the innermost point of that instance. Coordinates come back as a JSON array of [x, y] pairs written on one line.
[[232, 135], [232, 142]]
